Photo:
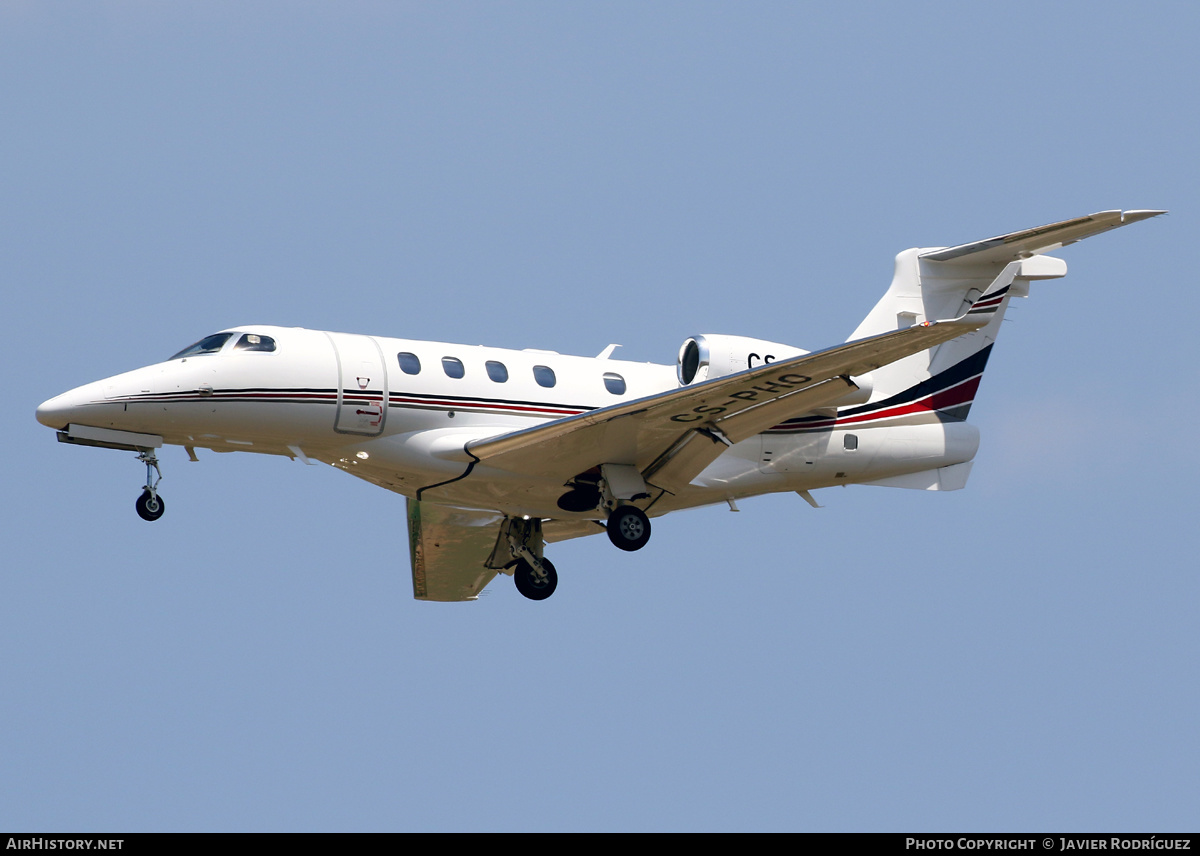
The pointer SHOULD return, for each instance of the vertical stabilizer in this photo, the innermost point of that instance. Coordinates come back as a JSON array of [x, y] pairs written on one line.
[[945, 282]]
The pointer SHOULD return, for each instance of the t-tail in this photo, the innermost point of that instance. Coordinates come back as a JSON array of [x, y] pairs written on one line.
[[950, 282]]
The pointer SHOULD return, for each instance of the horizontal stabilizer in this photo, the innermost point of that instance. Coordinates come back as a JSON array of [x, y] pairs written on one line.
[[1030, 242]]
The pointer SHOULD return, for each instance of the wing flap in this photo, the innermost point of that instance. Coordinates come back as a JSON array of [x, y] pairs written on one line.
[[695, 450], [449, 549]]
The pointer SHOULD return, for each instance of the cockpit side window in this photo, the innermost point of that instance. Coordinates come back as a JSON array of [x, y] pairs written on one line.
[[207, 345], [255, 342]]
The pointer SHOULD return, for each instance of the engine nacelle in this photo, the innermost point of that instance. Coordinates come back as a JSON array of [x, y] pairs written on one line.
[[703, 358]]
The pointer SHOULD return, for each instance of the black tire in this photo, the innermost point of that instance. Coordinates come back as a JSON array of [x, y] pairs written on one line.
[[628, 528], [530, 586], [150, 507]]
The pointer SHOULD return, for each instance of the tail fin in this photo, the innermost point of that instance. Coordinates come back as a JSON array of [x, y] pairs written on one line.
[[979, 277]]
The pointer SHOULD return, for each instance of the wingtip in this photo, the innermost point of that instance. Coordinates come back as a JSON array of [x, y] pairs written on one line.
[[1140, 214]]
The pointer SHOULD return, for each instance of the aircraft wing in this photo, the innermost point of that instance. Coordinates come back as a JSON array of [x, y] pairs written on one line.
[[671, 437], [450, 548], [1030, 242]]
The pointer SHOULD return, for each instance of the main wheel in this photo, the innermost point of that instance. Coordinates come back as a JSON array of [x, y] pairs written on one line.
[[628, 527], [530, 585], [150, 506]]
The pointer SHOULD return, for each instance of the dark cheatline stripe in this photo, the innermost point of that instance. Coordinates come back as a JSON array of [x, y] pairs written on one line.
[[496, 405], [963, 394], [480, 399], [989, 303], [330, 396], [252, 394], [956, 374], [994, 296], [953, 388]]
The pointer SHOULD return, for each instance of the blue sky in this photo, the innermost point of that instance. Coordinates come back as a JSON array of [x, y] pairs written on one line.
[[1020, 655]]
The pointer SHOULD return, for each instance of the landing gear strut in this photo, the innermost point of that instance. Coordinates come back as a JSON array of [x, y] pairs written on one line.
[[150, 505]]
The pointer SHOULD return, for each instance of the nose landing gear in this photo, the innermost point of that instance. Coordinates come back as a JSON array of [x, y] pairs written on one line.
[[150, 505]]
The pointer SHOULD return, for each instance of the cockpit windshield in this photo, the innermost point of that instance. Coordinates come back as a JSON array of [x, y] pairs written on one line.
[[207, 345], [214, 343]]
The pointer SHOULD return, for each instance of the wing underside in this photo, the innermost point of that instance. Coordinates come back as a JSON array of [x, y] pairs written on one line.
[[449, 549], [671, 437]]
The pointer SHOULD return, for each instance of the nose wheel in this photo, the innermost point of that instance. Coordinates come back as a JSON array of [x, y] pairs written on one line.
[[150, 505]]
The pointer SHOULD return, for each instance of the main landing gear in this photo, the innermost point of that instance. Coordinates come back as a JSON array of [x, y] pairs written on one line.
[[150, 505], [628, 528], [535, 584], [612, 491], [519, 544]]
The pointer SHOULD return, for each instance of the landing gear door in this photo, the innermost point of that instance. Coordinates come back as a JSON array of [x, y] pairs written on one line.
[[362, 387]]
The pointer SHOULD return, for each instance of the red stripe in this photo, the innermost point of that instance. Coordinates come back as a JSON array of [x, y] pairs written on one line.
[[466, 405], [952, 397]]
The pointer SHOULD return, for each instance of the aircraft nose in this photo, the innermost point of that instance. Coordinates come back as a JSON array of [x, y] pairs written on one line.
[[55, 412]]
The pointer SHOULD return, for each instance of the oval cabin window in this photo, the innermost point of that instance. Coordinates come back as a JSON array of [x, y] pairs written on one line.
[[497, 371], [409, 363]]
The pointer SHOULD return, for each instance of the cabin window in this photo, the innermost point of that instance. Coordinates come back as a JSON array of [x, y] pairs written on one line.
[[409, 363], [453, 367], [207, 345], [255, 342], [614, 383], [497, 371], [850, 442], [544, 375]]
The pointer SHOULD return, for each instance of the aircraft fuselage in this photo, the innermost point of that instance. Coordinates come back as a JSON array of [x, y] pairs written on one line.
[[400, 412]]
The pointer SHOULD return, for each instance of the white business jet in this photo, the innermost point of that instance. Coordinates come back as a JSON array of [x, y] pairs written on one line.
[[499, 451]]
